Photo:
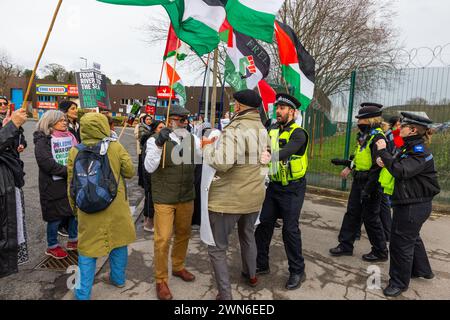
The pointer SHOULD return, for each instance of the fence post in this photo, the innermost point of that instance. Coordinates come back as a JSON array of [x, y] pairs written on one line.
[[348, 135]]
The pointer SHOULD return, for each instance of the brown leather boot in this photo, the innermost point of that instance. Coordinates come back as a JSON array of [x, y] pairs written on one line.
[[185, 275], [163, 291]]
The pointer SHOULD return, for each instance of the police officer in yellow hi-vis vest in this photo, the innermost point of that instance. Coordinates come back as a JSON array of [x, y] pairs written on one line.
[[286, 191], [366, 193]]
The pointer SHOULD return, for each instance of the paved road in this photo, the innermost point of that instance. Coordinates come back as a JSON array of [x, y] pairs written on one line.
[[327, 277], [31, 284], [343, 278]]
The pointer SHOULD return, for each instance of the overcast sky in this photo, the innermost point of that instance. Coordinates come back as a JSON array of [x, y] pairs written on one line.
[[112, 35]]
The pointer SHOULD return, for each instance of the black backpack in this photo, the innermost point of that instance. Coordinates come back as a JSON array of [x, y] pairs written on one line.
[[93, 186]]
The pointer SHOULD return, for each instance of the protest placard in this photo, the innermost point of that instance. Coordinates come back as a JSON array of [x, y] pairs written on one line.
[[92, 90], [60, 150]]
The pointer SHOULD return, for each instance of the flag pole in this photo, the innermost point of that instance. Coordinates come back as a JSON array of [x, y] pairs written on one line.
[[123, 130], [170, 100], [214, 91], [203, 86], [162, 69], [33, 74]]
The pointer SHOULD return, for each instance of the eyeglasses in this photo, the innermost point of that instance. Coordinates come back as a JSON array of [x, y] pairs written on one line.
[[179, 119], [3, 104]]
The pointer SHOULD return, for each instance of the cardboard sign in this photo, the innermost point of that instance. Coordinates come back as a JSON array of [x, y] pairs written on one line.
[[60, 149], [135, 110], [92, 90]]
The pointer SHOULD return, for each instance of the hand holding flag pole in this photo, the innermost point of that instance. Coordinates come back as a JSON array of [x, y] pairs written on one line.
[[170, 100], [33, 74]]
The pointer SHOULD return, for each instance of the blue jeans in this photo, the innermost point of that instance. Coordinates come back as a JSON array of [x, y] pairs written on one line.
[[118, 259], [52, 232]]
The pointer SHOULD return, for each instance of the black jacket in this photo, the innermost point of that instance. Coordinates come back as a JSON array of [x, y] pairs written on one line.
[[414, 172], [12, 138], [74, 129], [53, 193], [11, 176]]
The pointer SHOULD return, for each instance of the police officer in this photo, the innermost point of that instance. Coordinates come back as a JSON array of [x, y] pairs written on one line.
[[411, 174], [366, 194], [286, 191]]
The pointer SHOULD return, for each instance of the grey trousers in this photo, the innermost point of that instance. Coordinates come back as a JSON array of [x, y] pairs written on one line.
[[222, 225]]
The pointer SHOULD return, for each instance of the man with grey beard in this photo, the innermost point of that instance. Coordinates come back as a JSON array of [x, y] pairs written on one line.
[[173, 196], [237, 191]]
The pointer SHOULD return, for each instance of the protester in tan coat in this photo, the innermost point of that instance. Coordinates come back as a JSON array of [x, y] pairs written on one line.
[[237, 192]]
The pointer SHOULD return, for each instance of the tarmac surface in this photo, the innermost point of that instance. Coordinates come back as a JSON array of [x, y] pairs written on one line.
[[328, 278]]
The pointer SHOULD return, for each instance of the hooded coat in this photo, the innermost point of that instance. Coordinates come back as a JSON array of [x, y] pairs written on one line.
[[101, 232]]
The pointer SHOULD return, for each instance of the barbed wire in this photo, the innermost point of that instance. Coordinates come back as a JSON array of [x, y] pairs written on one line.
[[424, 57]]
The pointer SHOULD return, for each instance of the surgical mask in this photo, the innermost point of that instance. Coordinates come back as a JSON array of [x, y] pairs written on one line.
[[364, 127]]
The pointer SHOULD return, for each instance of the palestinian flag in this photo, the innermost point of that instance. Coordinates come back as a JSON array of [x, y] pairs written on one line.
[[196, 22], [246, 63], [176, 84], [267, 94], [254, 18], [173, 44], [297, 65]]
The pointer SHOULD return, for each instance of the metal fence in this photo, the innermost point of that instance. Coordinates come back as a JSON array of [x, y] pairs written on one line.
[[417, 90]]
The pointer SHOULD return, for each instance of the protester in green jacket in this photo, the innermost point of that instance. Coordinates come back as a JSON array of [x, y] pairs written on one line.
[[110, 231]]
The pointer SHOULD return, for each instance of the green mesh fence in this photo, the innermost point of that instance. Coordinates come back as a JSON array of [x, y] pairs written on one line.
[[417, 90]]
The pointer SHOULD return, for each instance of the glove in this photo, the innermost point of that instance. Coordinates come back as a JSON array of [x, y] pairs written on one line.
[[163, 137], [341, 162]]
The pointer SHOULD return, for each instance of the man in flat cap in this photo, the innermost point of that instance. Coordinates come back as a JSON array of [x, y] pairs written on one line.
[[366, 194], [173, 196], [286, 191], [236, 194]]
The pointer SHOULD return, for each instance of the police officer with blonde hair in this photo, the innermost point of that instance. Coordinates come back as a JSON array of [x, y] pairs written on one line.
[[286, 191], [410, 177]]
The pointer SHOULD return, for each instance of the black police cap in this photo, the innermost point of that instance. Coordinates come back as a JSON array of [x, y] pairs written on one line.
[[368, 104], [411, 118], [370, 110], [249, 98], [284, 99]]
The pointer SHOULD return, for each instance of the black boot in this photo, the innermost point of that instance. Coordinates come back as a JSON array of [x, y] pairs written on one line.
[[339, 251], [372, 257], [295, 281]]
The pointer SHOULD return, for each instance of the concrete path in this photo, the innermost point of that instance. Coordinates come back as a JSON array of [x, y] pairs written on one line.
[[327, 277]]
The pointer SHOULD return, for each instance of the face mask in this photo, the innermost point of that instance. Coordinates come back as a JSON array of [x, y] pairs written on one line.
[[364, 127]]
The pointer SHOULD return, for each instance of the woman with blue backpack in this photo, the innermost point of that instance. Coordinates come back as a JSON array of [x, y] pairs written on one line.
[[97, 170], [52, 142]]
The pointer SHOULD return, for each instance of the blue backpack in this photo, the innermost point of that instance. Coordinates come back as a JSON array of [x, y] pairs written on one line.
[[93, 186]]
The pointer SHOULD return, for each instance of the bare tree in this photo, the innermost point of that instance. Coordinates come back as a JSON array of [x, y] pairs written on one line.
[[8, 70], [342, 35], [55, 72]]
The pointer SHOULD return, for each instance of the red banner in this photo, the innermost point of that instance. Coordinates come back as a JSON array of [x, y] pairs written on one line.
[[164, 93], [47, 105], [72, 90]]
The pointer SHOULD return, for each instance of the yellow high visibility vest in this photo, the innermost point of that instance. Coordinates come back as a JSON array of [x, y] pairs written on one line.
[[295, 168]]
